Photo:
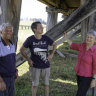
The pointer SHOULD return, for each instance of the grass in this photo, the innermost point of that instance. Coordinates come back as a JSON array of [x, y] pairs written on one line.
[[62, 78]]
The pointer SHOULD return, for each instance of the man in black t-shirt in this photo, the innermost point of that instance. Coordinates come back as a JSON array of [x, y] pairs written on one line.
[[39, 60]]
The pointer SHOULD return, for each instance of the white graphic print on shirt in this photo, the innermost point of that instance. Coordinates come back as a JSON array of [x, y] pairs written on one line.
[[42, 53]]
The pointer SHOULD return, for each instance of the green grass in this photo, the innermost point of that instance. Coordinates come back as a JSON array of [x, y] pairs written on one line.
[[62, 78]]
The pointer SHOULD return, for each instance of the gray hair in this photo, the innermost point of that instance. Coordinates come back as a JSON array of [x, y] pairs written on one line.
[[4, 25], [93, 32]]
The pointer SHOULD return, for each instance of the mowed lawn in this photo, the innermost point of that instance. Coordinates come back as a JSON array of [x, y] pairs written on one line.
[[62, 78]]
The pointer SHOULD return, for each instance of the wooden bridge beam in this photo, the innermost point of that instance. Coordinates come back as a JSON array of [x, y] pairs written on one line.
[[74, 19]]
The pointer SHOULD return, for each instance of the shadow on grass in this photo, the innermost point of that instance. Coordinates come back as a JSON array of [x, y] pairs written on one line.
[[62, 79]]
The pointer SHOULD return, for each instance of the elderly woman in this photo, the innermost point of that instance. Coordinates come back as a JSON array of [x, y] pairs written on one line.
[[85, 68]]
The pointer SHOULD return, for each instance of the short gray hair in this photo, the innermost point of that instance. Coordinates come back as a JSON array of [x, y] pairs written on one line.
[[93, 32], [4, 25]]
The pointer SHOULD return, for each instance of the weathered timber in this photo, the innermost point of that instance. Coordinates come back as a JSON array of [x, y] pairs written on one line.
[[92, 22], [11, 13], [84, 25], [71, 35], [20, 59], [70, 55], [75, 18], [65, 6], [60, 53]]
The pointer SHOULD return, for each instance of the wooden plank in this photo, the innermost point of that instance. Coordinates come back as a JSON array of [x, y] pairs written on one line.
[[70, 55], [60, 53], [75, 18], [71, 35], [20, 59]]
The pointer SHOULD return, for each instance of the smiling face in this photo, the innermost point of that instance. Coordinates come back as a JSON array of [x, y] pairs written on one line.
[[7, 33], [90, 39]]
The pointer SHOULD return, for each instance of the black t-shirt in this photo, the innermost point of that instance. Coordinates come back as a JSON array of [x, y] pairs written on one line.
[[39, 50]]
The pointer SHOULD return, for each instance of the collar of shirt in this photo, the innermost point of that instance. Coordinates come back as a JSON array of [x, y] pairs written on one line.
[[5, 43], [92, 48]]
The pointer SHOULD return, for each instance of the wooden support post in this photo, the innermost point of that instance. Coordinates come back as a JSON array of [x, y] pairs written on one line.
[[52, 18], [84, 25], [11, 13]]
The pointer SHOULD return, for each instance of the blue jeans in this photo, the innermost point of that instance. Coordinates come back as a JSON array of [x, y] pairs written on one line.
[[9, 81]]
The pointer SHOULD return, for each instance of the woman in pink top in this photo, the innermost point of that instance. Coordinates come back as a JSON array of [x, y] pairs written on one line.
[[85, 68]]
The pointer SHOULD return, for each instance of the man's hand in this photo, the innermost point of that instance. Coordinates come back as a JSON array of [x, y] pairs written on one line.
[[16, 75], [93, 83], [30, 62], [2, 86], [50, 57]]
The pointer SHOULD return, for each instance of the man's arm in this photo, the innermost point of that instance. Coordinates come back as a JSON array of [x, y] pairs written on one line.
[[22, 51], [53, 51], [54, 48]]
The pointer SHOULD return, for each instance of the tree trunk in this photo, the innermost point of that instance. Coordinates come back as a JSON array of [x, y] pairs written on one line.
[[11, 13]]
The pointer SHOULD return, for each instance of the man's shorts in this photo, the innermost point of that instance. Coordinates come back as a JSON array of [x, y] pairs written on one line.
[[36, 73]]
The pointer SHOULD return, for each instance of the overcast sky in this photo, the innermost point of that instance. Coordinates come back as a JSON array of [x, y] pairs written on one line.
[[34, 9]]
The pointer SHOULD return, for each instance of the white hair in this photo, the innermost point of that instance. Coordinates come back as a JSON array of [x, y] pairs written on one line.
[[93, 32], [4, 25]]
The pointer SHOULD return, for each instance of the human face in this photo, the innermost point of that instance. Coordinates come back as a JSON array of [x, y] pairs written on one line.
[[39, 29], [7, 33], [90, 39]]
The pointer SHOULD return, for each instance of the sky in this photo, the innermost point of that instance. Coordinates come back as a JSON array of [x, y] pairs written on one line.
[[34, 9]]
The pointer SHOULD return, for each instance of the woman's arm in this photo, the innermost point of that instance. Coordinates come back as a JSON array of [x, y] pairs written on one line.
[[66, 37]]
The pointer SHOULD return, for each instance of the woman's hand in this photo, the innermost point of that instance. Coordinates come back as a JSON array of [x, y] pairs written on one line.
[[93, 83], [65, 35], [68, 40]]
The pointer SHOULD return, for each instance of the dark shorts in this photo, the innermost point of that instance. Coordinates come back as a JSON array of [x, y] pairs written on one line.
[[9, 87]]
